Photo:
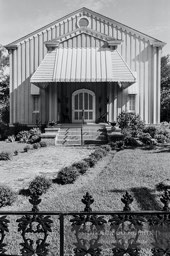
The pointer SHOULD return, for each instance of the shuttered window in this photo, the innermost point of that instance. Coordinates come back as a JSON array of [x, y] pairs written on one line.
[[36, 103], [132, 102]]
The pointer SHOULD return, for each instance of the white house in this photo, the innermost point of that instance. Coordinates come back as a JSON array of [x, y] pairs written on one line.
[[84, 61]]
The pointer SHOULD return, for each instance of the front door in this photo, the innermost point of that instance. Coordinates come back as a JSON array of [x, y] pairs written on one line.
[[83, 100]]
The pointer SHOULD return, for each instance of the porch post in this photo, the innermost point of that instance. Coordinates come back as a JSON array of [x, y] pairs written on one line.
[[109, 102], [50, 103], [56, 102]]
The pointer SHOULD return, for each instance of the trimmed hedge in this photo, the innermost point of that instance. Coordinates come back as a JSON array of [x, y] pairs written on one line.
[[39, 185], [36, 145], [91, 161], [67, 175], [81, 166], [43, 144], [4, 156], [7, 196]]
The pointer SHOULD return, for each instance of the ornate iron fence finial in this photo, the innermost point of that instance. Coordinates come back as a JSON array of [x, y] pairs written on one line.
[[87, 200], [127, 199], [35, 200], [165, 199]]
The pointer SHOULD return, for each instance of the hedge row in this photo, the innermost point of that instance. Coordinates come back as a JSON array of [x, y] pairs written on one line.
[[68, 175]]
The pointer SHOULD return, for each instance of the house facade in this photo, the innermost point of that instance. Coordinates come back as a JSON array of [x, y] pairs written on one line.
[[84, 64]]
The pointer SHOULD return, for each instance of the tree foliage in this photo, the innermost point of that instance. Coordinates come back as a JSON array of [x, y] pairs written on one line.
[[4, 85], [165, 88]]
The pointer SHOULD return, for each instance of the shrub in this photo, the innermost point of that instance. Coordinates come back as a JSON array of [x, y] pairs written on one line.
[[131, 121], [130, 141], [106, 147], [103, 151], [97, 154], [163, 131], [43, 144], [67, 175], [23, 136], [81, 166], [36, 145], [145, 138], [26, 148], [5, 156], [112, 145], [120, 144], [91, 161], [39, 185], [151, 129], [10, 138], [15, 152], [160, 138], [35, 135], [7, 196]]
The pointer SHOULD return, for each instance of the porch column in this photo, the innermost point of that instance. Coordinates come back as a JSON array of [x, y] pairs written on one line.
[[53, 100], [55, 103], [50, 103], [109, 102]]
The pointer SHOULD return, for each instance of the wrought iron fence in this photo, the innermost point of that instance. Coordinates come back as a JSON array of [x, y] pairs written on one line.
[[88, 232]]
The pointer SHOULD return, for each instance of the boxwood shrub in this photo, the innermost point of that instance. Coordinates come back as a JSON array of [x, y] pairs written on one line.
[[39, 185], [36, 145], [91, 161], [67, 175], [82, 166], [7, 196], [4, 156], [43, 144]]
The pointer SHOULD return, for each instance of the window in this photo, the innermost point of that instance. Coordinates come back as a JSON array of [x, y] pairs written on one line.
[[132, 102], [36, 103]]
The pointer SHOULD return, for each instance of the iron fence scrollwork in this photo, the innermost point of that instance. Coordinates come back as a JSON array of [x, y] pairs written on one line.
[[89, 227], [85, 224], [34, 224]]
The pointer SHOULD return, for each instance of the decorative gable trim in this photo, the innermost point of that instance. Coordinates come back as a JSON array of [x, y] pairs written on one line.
[[80, 31], [96, 16]]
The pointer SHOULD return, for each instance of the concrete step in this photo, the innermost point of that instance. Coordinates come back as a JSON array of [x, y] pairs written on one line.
[[48, 135], [68, 142], [52, 129], [85, 137]]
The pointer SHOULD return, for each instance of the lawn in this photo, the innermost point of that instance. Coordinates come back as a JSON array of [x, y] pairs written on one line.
[[18, 172], [137, 171]]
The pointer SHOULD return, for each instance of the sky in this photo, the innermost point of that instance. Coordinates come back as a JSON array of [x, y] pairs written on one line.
[[21, 17]]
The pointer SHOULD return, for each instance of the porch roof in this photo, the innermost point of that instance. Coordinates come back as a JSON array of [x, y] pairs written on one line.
[[83, 65]]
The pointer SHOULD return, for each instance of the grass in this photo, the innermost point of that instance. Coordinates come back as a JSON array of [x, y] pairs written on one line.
[[18, 172], [137, 171], [11, 146]]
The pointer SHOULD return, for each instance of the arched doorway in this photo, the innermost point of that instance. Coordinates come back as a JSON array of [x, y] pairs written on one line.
[[83, 99]]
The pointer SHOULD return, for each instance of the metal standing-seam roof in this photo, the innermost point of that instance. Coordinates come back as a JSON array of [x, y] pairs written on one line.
[[83, 65]]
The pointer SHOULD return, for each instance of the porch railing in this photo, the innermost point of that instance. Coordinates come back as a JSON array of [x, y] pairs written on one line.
[[87, 232]]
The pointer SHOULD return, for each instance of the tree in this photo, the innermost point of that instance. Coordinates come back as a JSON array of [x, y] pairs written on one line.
[[4, 85], [165, 88]]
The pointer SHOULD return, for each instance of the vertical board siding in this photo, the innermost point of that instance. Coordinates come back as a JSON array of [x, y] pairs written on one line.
[[139, 55]]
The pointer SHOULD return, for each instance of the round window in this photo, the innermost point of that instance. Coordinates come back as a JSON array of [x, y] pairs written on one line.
[[83, 22]]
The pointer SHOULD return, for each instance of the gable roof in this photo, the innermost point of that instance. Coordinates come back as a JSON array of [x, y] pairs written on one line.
[[96, 15]]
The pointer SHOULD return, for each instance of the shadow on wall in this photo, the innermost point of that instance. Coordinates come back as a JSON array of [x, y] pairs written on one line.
[[22, 103]]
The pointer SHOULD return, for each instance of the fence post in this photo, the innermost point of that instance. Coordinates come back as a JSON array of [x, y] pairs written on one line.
[[61, 234]]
